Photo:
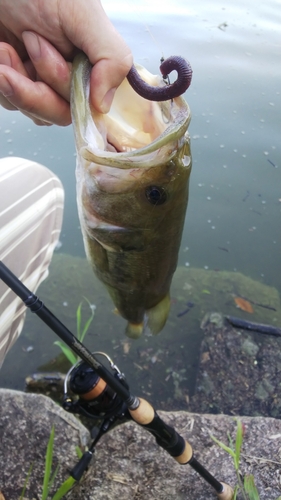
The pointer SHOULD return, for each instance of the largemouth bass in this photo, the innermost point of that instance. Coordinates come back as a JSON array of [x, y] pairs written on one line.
[[132, 172]]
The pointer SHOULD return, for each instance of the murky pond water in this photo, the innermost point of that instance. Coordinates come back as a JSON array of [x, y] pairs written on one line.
[[233, 217]]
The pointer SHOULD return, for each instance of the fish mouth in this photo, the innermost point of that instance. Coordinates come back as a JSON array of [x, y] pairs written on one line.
[[136, 132], [133, 123]]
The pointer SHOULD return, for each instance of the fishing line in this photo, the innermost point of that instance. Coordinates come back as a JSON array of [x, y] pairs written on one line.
[[166, 119], [154, 41]]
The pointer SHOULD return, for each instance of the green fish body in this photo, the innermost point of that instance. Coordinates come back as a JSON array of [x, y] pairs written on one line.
[[133, 168]]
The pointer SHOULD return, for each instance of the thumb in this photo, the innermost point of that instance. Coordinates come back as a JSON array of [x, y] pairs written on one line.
[[90, 30], [106, 76]]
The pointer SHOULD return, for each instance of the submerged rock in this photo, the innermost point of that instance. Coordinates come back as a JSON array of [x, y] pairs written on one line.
[[155, 364], [239, 373], [249, 347]]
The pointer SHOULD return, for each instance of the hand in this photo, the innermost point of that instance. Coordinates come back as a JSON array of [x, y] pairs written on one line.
[[38, 41]]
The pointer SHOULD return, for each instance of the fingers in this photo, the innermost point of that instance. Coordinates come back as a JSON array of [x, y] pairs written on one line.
[[93, 33], [50, 65], [69, 26], [8, 57], [106, 76], [36, 99], [111, 66]]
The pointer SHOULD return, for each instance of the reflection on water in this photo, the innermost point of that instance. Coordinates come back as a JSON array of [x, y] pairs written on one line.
[[233, 218]]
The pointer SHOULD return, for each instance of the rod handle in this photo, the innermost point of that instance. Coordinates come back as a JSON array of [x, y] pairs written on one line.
[[227, 493], [79, 469], [144, 413], [186, 455]]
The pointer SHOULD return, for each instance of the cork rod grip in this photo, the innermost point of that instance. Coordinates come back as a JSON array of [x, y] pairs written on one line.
[[144, 413], [167, 437], [186, 455], [227, 493]]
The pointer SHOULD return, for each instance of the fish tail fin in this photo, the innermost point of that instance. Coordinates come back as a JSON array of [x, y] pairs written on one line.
[[155, 319], [157, 315], [134, 330]]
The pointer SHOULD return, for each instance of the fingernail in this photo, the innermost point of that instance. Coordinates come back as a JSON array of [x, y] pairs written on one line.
[[32, 44], [5, 87], [5, 57], [107, 101]]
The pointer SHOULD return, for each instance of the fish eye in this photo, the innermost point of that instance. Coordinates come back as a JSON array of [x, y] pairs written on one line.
[[156, 195]]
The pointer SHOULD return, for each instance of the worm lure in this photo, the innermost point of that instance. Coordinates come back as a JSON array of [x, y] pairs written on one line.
[[169, 91]]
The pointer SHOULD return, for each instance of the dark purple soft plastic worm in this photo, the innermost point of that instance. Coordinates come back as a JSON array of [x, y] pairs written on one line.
[[167, 92]]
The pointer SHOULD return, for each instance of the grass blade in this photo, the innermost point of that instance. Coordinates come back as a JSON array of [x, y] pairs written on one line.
[[250, 487], [48, 464], [238, 443], [224, 447], [86, 328], [78, 452], [67, 352], [87, 325], [80, 333], [235, 493], [230, 441], [64, 488], [54, 475], [26, 481], [78, 320]]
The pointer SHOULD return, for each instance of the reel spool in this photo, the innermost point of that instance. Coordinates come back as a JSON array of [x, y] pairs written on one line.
[[92, 395]]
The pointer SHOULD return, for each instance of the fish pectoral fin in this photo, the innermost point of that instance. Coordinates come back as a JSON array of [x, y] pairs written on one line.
[[157, 315], [134, 330], [120, 240]]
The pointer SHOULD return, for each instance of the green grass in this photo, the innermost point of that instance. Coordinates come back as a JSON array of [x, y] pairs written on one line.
[[81, 332], [49, 476], [26, 482], [246, 486], [48, 479]]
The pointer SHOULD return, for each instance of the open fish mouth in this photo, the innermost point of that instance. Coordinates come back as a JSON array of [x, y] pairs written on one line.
[[133, 168]]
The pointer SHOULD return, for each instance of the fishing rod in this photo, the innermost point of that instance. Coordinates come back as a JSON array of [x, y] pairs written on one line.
[[105, 393]]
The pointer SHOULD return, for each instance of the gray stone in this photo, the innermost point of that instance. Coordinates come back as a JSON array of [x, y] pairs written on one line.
[[128, 464], [25, 425]]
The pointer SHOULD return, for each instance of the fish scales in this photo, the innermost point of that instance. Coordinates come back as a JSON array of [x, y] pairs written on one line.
[[133, 168]]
